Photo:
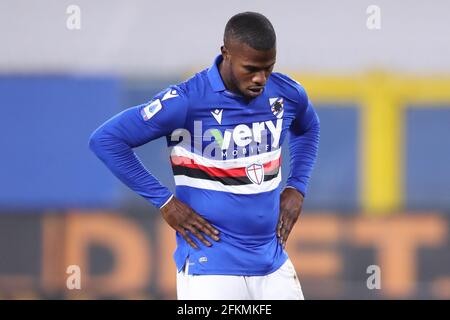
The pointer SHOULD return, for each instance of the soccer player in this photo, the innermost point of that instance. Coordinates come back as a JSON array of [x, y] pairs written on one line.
[[225, 127]]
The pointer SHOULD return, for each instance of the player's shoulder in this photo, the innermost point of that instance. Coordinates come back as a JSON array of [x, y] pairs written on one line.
[[188, 86], [289, 87], [195, 85], [181, 94], [180, 89]]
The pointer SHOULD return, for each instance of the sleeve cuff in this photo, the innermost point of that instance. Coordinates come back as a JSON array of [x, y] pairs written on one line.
[[167, 201], [300, 188]]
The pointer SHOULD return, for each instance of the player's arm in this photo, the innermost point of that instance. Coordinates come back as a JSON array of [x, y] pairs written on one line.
[[304, 136], [113, 143]]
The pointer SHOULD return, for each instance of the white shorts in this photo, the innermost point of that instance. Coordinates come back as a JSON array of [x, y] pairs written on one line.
[[282, 284]]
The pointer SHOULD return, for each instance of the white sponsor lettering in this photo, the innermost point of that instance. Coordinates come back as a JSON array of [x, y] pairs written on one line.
[[242, 134]]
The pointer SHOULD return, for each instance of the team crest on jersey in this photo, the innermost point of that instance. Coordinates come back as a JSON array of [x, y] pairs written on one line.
[[255, 172], [277, 107]]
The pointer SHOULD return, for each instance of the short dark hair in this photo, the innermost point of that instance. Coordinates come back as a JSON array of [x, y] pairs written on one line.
[[251, 28]]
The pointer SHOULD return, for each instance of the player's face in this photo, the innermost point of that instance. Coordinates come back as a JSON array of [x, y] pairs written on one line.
[[249, 69]]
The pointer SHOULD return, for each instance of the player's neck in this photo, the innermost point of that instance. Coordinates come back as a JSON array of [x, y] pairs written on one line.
[[226, 78]]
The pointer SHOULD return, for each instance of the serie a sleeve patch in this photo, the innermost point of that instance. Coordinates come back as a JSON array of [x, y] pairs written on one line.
[[151, 109]]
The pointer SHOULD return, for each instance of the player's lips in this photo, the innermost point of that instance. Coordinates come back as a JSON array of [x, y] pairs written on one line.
[[255, 91]]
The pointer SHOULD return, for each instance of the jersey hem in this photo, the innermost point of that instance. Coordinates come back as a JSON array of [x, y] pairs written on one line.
[[239, 272]]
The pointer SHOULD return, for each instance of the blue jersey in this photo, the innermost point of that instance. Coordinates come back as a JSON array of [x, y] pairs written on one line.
[[226, 161]]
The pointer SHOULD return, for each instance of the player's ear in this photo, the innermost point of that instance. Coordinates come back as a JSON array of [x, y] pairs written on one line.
[[225, 53]]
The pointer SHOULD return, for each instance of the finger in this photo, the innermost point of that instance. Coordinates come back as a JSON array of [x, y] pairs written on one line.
[[206, 224], [281, 222], [285, 237], [280, 225], [285, 230], [187, 238], [205, 230], [199, 236]]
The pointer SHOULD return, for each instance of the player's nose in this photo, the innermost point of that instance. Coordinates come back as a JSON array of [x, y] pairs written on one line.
[[259, 78]]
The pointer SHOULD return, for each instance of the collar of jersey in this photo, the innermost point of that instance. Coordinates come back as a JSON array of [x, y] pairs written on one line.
[[214, 75], [216, 80]]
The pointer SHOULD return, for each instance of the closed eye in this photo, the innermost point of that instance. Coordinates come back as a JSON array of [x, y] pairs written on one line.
[[252, 69]]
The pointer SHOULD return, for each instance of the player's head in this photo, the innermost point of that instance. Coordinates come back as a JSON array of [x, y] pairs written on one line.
[[249, 53]]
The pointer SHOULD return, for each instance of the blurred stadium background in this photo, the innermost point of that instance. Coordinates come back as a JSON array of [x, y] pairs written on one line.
[[380, 192]]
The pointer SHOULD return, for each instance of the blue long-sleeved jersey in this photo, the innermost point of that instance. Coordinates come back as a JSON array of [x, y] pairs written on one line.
[[225, 156]]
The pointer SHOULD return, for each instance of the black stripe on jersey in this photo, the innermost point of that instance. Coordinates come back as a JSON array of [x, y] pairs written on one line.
[[229, 181]]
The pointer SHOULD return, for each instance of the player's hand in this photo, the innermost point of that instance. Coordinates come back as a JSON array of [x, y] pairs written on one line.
[[187, 222], [291, 203]]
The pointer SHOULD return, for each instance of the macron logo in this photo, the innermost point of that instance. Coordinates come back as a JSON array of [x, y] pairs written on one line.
[[170, 94], [217, 114]]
